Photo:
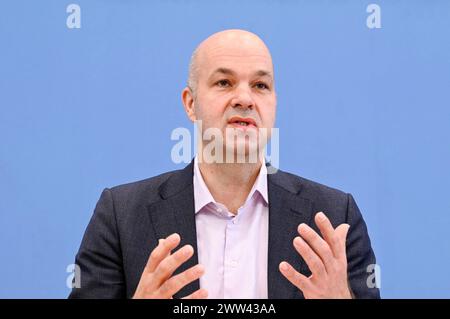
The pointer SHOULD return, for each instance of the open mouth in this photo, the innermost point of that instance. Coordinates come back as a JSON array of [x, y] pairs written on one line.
[[242, 122]]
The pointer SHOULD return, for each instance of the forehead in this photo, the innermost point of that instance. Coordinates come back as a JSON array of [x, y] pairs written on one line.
[[240, 57]]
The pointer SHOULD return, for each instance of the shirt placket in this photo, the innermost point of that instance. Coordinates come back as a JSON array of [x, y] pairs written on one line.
[[232, 258]]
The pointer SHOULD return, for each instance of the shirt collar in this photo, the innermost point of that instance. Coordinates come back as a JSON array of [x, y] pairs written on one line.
[[203, 197]]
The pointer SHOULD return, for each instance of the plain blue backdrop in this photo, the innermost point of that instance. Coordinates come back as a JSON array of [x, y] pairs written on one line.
[[363, 110]]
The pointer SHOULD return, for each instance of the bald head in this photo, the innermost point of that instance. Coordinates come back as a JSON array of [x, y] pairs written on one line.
[[231, 43]]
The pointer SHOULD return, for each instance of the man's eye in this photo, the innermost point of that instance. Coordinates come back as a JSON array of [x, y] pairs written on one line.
[[223, 83], [262, 86]]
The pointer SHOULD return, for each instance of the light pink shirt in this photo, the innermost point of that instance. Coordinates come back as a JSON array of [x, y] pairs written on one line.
[[233, 249]]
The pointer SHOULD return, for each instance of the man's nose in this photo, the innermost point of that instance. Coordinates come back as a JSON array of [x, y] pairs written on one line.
[[243, 98]]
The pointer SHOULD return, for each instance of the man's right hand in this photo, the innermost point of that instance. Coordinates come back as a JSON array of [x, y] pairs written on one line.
[[156, 280]]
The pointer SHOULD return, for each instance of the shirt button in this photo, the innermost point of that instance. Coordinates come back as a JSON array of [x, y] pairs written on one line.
[[234, 263], [219, 210]]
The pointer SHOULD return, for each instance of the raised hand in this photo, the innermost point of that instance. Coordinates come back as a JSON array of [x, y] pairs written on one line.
[[157, 281], [326, 258]]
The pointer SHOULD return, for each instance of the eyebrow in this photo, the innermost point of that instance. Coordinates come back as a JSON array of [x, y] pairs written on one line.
[[227, 71]]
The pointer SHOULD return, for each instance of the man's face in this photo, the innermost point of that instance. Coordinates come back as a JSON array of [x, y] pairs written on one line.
[[235, 84]]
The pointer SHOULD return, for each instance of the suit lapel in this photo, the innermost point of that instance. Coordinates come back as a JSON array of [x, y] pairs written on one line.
[[286, 211], [175, 214]]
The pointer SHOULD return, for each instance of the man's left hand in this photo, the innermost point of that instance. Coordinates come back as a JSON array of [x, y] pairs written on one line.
[[326, 258]]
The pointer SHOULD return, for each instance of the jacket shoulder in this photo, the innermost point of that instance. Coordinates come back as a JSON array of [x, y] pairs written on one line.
[[304, 187], [333, 202], [141, 191]]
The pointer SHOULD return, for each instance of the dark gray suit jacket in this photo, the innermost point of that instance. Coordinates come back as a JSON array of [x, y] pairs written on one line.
[[129, 219]]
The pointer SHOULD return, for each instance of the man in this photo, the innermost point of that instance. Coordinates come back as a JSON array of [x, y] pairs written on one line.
[[226, 229]]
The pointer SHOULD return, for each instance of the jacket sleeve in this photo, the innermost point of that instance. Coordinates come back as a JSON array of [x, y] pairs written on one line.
[[360, 256], [99, 258]]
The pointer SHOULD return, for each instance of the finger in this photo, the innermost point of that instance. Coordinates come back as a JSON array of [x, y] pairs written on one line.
[[161, 241], [199, 294], [342, 232], [317, 243], [328, 232], [167, 267], [176, 283], [297, 279], [313, 261], [162, 251]]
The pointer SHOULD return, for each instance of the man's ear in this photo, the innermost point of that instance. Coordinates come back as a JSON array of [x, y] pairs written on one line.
[[187, 97]]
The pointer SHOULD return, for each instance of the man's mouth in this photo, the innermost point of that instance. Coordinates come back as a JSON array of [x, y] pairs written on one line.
[[238, 121]]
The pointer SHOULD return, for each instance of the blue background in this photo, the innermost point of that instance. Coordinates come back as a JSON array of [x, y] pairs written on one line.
[[363, 110]]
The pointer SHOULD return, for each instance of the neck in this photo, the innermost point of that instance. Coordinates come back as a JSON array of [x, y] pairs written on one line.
[[230, 183]]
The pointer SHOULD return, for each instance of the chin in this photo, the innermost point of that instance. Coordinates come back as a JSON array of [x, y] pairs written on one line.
[[243, 152]]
